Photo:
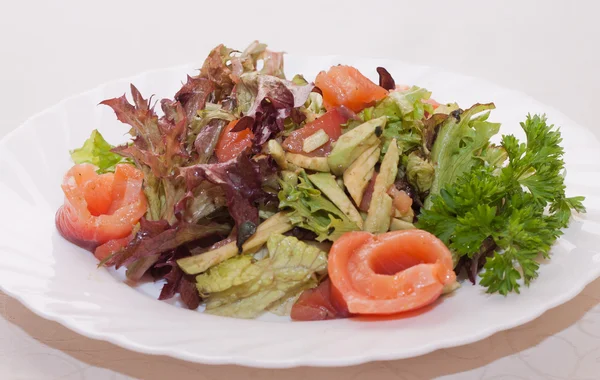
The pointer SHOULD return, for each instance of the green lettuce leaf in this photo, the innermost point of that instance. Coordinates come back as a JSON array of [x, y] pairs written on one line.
[[243, 287], [410, 102], [446, 109], [233, 272], [284, 305], [405, 111], [312, 211], [419, 172], [313, 107], [97, 151], [462, 138]]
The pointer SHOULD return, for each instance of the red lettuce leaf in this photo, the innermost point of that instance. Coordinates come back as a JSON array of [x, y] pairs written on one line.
[[283, 94], [177, 282], [159, 146], [194, 94], [207, 139], [241, 180], [139, 115], [216, 69], [248, 61], [199, 203], [188, 292], [148, 229], [272, 64], [154, 238], [173, 128], [268, 172], [158, 143], [185, 137], [166, 268], [269, 100], [142, 158], [385, 79]]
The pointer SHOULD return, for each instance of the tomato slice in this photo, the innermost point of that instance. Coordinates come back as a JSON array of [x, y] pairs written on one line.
[[330, 123], [346, 86], [318, 304], [231, 144]]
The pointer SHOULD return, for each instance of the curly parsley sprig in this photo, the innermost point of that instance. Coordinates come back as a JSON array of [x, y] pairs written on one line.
[[522, 206]]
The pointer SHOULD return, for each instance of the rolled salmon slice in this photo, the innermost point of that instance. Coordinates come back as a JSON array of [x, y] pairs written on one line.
[[100, 208], [389, 273]]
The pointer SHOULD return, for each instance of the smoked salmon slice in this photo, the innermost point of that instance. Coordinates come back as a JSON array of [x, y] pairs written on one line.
[[346, 86], [389, 273], [100, 208]]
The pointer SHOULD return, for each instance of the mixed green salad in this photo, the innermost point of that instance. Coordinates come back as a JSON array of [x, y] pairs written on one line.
[[249, 178]]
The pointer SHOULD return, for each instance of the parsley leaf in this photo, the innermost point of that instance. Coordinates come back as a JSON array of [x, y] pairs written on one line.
[[520, 204], [460, 142]]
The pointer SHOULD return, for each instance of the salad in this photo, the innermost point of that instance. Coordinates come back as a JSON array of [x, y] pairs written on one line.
[[250, 193]]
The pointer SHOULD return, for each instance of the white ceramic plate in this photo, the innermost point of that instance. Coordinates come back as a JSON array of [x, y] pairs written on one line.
[[60, 281]]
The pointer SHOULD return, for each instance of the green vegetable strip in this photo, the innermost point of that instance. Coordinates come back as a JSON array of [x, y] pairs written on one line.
[[277, 224]]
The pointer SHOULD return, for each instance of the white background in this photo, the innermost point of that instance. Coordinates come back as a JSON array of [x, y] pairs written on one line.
[[547, 49]]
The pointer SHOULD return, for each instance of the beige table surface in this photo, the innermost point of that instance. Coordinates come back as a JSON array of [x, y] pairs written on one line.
[[548, 49]]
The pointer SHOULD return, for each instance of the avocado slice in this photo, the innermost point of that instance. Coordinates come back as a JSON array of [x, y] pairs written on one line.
[[315, 141], [380, 209], [354, 143], [318, 164], [408, 217], [328, 185], [451, 287], [276, 224], [358, 175], [276, 151], [399, 224], [378, 221]]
